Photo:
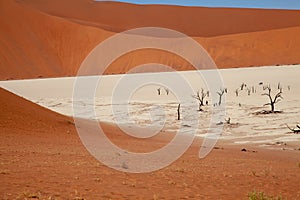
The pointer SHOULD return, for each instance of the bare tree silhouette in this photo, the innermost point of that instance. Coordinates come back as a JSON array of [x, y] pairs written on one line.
[[178, 112], [274, 100], [200, 96], [249, 91], [253, 90], [158, 91], [237, 92], [279, 86], [167, 91], [220, 93], [243, 86], [227, 121]]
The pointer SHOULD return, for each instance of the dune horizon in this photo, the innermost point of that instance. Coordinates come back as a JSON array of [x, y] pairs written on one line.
[[55, 40], [289, 5]]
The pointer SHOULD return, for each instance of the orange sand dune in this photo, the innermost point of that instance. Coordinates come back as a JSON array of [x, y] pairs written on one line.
[[42, 157], [193, 21], [34, 44], [52, 38], [276, 47]]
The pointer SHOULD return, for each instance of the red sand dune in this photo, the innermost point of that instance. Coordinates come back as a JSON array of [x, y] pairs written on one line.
[[193, 21], [51, 38]]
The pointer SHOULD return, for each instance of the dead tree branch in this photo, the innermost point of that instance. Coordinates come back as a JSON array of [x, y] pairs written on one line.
[[293, 129]]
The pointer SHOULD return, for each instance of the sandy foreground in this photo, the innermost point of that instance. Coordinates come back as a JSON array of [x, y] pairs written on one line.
[[41, 156]]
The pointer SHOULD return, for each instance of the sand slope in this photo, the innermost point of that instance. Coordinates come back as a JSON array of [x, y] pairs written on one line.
[[19, 115], [51, 38], [34, 44]]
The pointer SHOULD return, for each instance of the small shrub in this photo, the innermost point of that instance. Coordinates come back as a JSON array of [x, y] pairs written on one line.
[[261, 196]]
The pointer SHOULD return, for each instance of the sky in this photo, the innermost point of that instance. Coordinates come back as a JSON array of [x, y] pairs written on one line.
[[272, 4]]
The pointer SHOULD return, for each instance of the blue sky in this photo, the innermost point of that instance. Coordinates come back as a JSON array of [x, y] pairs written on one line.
[[275, 4]]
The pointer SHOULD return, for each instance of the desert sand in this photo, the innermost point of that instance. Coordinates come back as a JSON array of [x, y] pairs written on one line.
[[41, 156], [51, 38]]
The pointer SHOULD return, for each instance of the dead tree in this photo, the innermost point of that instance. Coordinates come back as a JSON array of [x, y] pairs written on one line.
[[178, 112], [220, 93], [227, 121], [200, 96], [253, 89], [158, 91], [237, 92], [243, 86], [167, 91], [279, 86], [274, 100], [294, 130], [249, 91]]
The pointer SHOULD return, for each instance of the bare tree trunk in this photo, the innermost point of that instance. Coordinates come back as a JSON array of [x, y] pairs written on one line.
[[243, 86], [158, 91], [249, 91], [178, 112], [167, 91], [237, 92], [200, 109], [272, 107]]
